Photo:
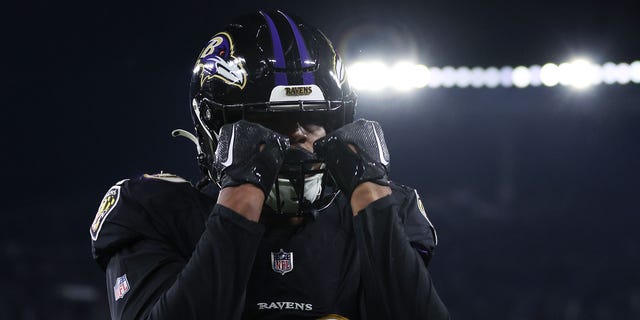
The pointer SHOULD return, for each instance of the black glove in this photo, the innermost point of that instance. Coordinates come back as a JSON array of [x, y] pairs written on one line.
[[239, 159], [369, 162]]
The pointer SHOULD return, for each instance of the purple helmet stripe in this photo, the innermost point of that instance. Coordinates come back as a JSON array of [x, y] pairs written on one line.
[[281, 78], [307, 77]]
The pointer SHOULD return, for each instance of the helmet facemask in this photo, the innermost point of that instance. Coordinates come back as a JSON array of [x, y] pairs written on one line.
[[299, 184]]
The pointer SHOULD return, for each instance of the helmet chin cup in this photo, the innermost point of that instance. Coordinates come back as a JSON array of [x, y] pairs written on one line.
[[299, 184]]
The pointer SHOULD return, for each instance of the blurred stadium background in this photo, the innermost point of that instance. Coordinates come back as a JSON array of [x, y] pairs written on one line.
[[517, 121]]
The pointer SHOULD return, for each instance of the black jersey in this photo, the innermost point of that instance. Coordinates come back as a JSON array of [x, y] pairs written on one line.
[[170, 252]]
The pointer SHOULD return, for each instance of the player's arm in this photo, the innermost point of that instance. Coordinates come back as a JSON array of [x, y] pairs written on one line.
[[211, 283], [149, 279], [247, 162], [395, 281]]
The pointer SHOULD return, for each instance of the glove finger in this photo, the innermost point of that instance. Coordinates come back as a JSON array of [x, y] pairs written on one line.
[[368, 138], [239, 141], [249, 153]]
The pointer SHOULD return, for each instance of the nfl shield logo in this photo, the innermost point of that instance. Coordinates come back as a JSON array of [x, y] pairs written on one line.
[[121, 288], [282, 262]]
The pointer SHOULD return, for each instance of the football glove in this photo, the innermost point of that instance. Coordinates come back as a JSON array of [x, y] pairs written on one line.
[[354, 154], [248, 153]]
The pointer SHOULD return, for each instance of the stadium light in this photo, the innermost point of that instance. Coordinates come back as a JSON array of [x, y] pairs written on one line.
[[463, 77], [550, 75], [406, 76], [579, 74], [477, 77], [623, 73], [635, 71], [585, 73], [535, 71], [609, 71], [492, 77], [448, 77], [521, 76]]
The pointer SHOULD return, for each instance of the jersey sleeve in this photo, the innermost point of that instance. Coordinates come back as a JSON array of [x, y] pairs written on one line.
[[392, 239], [415, 221], [148, 277], [120, 221]]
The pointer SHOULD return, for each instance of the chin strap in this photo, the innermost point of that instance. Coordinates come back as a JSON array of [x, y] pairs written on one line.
[[201, 157], [188, 135]]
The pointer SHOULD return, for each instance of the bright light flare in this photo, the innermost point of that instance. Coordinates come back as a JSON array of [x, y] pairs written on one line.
[[477, 77], [492, 77], [550, 75], [448, 75], [635, 71], [368, 75], [579, 74], [534, 74], [376, 76], [463, 77], [521, 76], [406, 76], [623, 73]]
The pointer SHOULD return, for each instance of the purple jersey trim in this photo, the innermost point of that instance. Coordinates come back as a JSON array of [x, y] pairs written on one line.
[[281, 78], [307, 77]]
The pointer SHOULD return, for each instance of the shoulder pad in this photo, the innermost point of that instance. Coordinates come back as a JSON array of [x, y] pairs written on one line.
[[414, 205], [108, 203], [149, 207], [166, 177], [405, 190]]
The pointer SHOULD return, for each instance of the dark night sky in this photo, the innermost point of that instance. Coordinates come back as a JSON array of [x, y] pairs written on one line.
[[533, 190]]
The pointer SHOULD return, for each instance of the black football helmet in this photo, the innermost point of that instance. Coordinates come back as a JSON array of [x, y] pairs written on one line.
[[273, 69]]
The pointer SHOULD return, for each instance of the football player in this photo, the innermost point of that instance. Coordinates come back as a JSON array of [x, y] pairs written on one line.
[[306, 224]]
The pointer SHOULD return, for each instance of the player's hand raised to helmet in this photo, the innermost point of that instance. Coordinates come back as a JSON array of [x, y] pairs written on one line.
[[248, 153], [354, 154]]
